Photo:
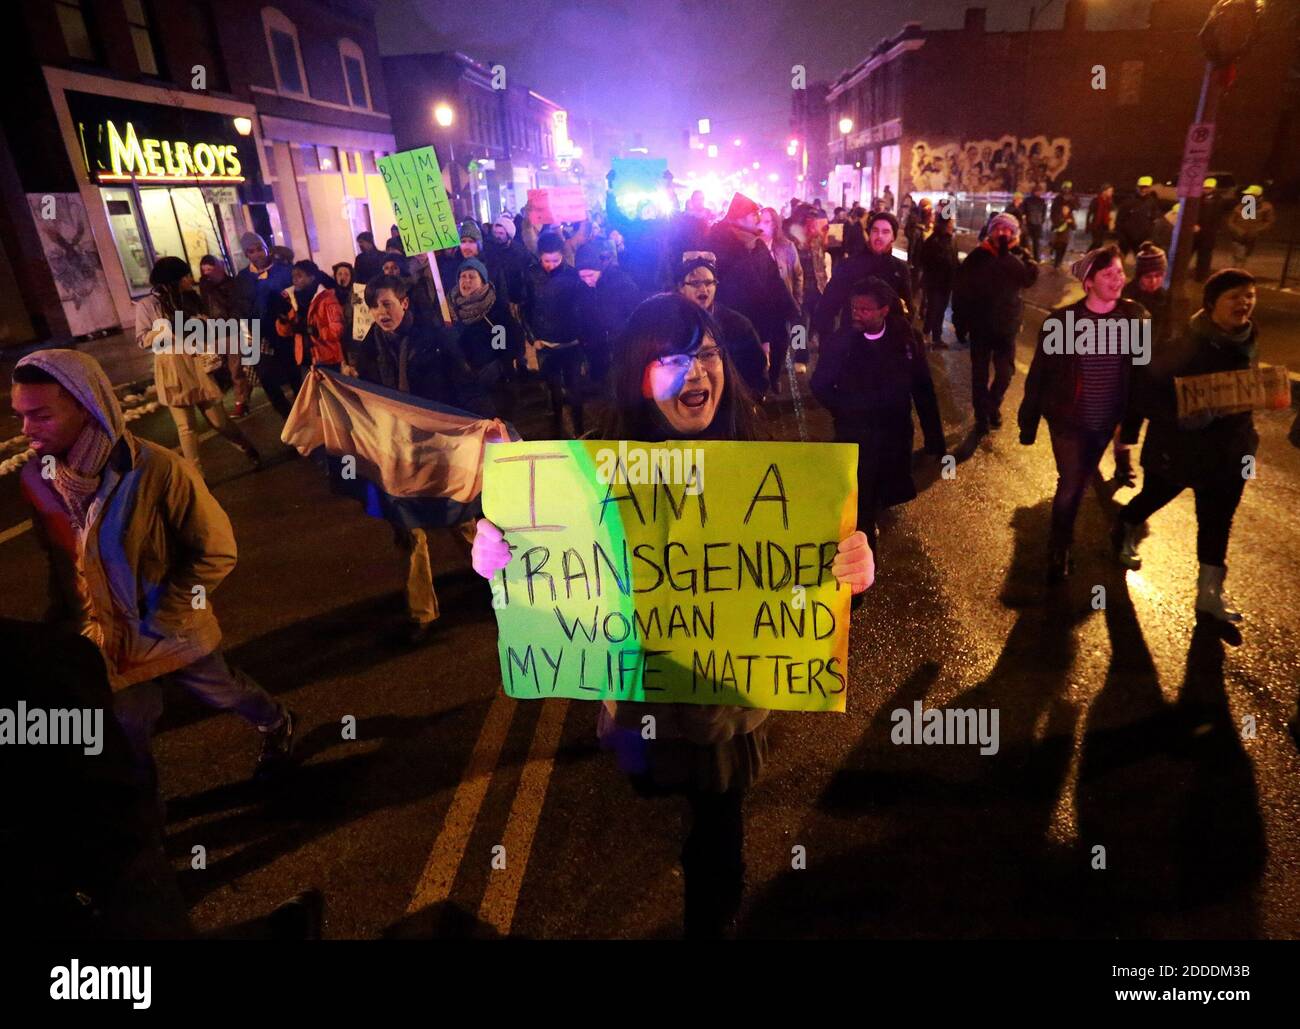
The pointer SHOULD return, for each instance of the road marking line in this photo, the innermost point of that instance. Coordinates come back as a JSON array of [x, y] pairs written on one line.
[[502, 893], [435, 882], [16, 531]]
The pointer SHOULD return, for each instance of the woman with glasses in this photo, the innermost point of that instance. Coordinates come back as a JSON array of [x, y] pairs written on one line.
[[672, 381]]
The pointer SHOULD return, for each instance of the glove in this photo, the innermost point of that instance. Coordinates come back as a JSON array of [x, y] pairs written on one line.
[[1124, 474], [490, 552], [854, 564]]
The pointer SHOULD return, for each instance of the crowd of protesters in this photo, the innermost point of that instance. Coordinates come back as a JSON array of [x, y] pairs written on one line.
[[680, 327]]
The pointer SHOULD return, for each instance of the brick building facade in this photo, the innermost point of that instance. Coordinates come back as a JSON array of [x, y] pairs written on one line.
[[974, 111], [137, 129]]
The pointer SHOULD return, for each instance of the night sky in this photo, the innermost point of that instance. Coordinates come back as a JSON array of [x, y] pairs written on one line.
[[658, 66]]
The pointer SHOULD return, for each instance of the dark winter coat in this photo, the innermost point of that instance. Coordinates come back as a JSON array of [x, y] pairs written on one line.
[[436, 368], [1157, 305], [740, 340], [617, 295], [1035, 210], [1061, 201], [367, 265], [507, 263], [870, 387], [1136, 217], [1207, 449], [475, 338], [750, 282], [551, 305], [1054, 386], [938, 262], [835, 301], [987, 291]]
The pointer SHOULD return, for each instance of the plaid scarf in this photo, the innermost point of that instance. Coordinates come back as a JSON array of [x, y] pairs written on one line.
[[76, 477]]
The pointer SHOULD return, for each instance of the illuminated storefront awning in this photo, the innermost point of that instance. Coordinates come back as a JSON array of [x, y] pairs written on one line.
[[125, 141]]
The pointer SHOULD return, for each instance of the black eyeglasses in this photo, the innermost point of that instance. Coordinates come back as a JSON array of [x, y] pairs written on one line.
[[707, 356]]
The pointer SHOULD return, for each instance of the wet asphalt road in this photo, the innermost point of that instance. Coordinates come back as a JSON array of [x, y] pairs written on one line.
[[1126, 728]]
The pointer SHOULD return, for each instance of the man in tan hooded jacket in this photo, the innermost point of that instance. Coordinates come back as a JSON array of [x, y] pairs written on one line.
[[136, 543]]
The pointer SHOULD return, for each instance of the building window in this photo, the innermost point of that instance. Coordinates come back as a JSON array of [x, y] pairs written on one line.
[[146, 53], [76, 35], [286, 55], [205, 26], [354, 73]]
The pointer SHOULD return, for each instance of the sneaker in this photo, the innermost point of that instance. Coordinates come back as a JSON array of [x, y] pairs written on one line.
[[277, 748]]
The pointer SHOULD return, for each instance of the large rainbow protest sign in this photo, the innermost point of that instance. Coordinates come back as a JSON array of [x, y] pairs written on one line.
[[688, 572]]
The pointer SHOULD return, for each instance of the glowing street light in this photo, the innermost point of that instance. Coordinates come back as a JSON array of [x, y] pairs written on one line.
[[846, 126], [703, 126], [243, 126], [736, 141], [444, 115], [756, 164]]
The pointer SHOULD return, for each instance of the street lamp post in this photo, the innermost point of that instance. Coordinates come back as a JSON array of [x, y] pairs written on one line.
[[1225, 37], [445, 116]]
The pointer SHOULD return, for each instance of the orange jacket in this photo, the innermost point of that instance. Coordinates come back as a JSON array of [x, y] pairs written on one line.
[[325, 315]]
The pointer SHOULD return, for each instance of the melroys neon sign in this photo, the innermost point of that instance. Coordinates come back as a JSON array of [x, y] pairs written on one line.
[[132, 157]]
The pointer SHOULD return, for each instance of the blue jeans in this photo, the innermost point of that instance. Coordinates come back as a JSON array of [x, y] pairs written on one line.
[[1078, 453]]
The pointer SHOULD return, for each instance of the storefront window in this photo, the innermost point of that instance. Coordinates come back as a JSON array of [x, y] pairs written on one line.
[[198, 231], [124, 220], [160, 220]]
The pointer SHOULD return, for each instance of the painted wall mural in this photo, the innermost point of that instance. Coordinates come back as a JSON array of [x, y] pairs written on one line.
[[74, 261], [990, 165]]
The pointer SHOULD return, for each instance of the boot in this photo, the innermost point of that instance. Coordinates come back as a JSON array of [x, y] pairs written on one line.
[[1058, 564], [1210, 598], [1125, 538]]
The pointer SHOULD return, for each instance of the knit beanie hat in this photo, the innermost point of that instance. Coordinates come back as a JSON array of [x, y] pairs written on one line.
[[588, 257], [473, 264], [1150, 258], [508, 224], [1083, 268], [1222, 281], [469, 229], [1009, 220]]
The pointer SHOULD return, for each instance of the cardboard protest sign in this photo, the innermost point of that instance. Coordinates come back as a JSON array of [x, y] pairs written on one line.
[[1263, 388], [420, 206], [362, 319], [690, 572], [559, 204]]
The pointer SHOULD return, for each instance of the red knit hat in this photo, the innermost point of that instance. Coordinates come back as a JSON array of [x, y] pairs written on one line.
[[740, 206]]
